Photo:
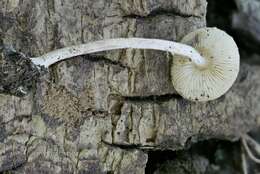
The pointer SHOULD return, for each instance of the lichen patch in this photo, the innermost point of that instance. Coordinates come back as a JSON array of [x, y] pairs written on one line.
[[58, 102]]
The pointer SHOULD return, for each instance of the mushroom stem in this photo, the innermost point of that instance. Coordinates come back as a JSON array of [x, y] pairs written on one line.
[[120, 43]]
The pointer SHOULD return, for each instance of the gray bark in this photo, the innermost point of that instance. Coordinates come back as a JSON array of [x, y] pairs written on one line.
[[89, 115], [247, 19]]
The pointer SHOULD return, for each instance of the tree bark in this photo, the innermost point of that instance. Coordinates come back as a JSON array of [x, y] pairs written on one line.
[[89, 115]]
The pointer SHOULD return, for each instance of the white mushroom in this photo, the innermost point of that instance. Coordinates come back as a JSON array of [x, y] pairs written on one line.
[[213, 79], [200, 74]]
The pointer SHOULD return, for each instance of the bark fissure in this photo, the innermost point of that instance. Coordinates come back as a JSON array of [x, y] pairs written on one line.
[[161, 12], [152, 98], [128, 146]]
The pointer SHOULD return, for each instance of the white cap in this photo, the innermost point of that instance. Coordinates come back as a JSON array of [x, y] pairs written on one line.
[[217, 76]]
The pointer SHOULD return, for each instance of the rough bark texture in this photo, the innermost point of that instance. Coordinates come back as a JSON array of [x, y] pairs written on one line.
[[89, 115]]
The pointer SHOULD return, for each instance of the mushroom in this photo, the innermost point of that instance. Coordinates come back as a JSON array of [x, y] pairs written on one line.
[[202, 73], [216, 76]]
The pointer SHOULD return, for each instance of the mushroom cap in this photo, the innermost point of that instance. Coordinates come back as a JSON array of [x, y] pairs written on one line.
[[204, 83]]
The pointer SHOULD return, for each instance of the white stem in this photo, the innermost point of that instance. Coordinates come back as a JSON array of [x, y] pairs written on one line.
[[119, 43], [253, 142], [244, 140], [244, 162]]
